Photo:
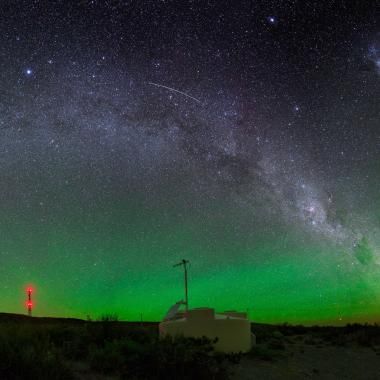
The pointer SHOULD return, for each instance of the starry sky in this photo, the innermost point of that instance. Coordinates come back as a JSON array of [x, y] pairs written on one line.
[[241, 135]]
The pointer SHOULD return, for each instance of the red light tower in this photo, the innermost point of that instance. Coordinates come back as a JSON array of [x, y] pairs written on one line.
[[29, 302]]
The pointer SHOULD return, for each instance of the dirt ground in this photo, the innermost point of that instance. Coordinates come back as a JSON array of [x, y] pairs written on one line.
[[298, 360]]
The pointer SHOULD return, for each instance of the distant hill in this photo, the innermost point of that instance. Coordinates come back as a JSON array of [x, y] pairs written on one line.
[[21, 318], [10, 317]]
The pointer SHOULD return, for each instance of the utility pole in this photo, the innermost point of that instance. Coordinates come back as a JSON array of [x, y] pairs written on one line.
[[184, 263]]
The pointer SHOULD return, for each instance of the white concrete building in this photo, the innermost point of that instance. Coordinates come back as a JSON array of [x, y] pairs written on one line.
[[232, 328]]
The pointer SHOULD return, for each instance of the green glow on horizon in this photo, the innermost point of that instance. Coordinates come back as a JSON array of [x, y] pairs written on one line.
[[117, 256], [296, 285]]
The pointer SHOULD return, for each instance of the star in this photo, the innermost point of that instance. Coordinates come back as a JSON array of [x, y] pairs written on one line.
[[136, 134]]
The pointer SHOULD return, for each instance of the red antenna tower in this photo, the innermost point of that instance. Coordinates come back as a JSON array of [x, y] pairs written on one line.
[[29, 302]]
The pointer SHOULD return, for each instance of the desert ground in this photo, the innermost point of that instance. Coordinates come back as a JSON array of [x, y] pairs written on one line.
[[310, 356], [58, 348]]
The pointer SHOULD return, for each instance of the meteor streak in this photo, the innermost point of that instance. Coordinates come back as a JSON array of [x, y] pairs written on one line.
[[173, 89]]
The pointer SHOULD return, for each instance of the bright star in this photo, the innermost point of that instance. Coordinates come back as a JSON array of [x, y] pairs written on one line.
[[271, 19], [29, 71]]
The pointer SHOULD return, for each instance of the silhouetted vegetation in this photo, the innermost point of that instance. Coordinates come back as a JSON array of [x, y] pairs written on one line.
[[262, 352], [362, 335], [180, 358], [44, 348], [33, 350], [29, 353], [273, 340]]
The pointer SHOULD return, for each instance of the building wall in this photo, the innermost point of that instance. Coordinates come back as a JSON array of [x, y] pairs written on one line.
[[234, 335]]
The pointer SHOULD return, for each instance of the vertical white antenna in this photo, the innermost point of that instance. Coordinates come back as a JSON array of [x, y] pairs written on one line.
[[184, 263]]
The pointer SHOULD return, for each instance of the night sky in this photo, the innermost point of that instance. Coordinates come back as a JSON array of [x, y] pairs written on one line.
[[241, 135]]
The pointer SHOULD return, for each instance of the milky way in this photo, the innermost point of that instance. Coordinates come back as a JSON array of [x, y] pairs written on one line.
[[244, 138]]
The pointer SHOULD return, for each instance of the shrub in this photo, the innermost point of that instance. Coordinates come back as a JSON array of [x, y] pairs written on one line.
[[27, 354], [109, 318], [107, 359], [180, 358], [262, 353], [36, 350], [276, 344]]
